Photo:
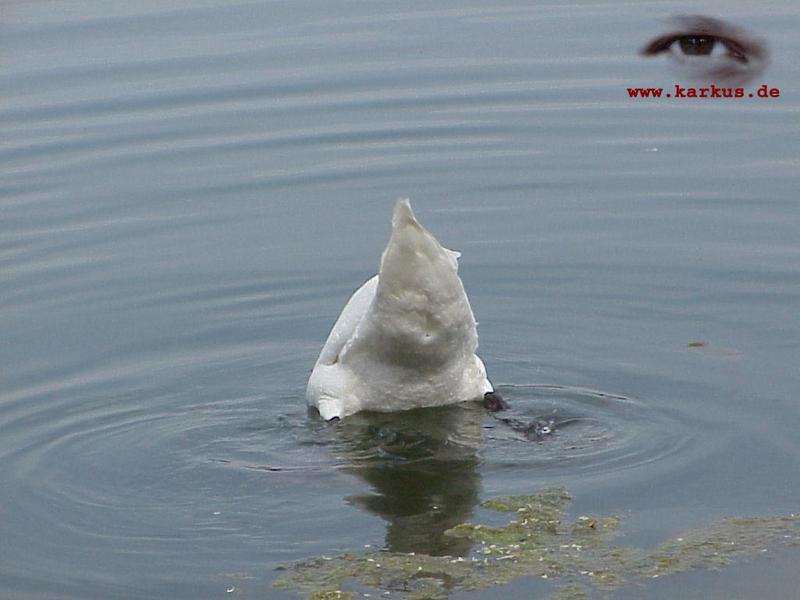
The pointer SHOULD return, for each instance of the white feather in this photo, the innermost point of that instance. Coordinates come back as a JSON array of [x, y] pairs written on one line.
[[406, 338]]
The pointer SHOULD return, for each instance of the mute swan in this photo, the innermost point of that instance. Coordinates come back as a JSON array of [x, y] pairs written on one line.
[[406, 338]]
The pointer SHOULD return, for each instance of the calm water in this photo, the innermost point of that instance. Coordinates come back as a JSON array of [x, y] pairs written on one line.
[[191, 191]]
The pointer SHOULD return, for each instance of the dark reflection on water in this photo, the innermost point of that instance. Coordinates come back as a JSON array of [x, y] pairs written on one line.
[[422, 466]]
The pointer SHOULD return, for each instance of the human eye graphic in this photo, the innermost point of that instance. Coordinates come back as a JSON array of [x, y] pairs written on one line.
[[710, 49]]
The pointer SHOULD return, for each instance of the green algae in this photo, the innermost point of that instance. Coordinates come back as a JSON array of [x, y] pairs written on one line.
[[548, 504], [537, 542], [720, 544], [330, 595]]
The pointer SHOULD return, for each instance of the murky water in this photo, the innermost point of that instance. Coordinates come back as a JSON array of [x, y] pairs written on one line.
[[191, 191]]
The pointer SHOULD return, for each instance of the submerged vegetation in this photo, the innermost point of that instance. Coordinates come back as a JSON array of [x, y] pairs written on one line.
[[536, 542]]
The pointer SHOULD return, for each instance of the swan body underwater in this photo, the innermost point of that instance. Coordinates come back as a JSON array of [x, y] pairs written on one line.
[[406, 338]]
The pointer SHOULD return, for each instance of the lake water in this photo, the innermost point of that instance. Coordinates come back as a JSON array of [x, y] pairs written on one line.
[[192, 190]]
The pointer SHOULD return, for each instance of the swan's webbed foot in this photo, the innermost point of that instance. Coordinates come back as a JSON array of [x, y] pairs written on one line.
[[333, 420], [493, 402]]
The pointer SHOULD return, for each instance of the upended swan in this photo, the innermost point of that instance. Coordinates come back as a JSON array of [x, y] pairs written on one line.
[[406, 338]]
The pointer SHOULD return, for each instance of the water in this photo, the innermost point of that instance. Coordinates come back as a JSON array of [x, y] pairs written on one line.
[[191, 191]]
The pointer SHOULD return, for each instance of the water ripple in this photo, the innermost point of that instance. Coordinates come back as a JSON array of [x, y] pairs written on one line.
[[566, 431]]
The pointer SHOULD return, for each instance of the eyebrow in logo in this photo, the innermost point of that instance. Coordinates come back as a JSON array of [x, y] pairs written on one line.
[[711, 49]]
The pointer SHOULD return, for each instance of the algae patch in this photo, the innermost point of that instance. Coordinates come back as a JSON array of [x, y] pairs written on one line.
[[330, 595], [537, 542]]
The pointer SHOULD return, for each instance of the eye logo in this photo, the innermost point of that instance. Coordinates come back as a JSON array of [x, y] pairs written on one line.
[[710, 49]]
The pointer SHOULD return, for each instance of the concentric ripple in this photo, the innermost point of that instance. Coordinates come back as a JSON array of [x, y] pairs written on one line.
[[569, 429], [172, 461]]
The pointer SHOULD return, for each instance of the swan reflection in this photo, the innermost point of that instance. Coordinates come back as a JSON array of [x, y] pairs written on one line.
[[422, 466]]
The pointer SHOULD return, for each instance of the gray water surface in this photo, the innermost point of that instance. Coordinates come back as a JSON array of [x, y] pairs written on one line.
[[190, 191]]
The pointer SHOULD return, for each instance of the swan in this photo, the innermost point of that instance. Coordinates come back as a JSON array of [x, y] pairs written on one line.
[[406, 338]]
